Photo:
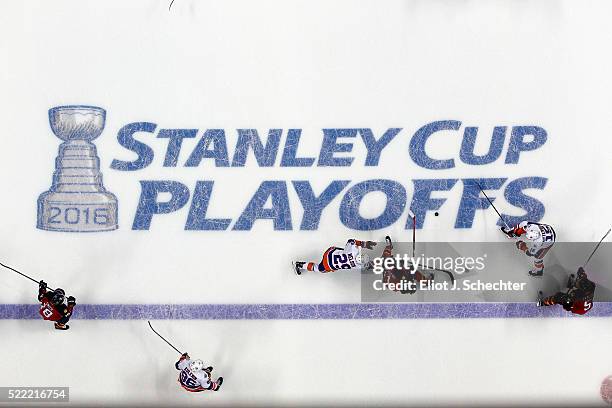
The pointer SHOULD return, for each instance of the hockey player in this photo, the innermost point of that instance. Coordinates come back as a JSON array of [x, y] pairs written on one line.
[[194, 377], [534, 240], [337, 258], [579, 297], [54, 305], [396, 276]]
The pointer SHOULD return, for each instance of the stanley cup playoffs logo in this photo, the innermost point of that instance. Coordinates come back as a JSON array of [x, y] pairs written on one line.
[[77, 201]]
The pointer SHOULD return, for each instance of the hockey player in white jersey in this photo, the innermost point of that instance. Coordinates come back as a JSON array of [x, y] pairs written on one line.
[[194, 377], [535, 240], [336, 258]]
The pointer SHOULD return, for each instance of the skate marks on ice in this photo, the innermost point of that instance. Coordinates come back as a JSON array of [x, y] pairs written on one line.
[[348, 311]]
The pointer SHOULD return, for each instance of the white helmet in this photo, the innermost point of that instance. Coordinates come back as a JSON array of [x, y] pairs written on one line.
[[196, 365], [533, 234], [362, 259]]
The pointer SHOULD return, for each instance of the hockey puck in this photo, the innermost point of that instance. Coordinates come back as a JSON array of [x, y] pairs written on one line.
[[436, 214]]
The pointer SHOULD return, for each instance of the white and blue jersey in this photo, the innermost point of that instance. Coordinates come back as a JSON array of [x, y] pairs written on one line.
[[193, 381]]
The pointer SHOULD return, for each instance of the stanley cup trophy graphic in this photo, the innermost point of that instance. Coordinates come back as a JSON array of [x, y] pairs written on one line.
[[77, 200]]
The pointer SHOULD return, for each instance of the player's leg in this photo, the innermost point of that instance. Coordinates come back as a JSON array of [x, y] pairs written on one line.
[[558, 298], [538, 268], [538, 263], [61, 323], [216, 385], [323, 266], [300, 267]]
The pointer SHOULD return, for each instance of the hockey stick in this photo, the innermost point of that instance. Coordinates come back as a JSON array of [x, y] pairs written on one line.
[[449, 273], [491, 202], [596, 247], [162, 337], [22, 274], [411, 215]]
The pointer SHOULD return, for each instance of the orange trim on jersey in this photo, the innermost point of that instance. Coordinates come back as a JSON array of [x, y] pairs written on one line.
[[519, 231], [325, 261], [199, 389]]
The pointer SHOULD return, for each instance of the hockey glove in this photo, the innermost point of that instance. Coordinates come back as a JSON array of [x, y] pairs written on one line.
[[522, 246], [71, 301], [509, 232], [369, 244], [42, 284]]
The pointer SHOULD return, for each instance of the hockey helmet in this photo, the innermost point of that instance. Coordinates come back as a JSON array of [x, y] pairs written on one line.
[[362, 259], [196, 365], [58, 296]]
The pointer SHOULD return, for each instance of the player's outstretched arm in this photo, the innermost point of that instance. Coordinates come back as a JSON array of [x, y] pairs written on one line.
[[71, 304], [184, 357], [363, 244], [42, 290], [516, 231]]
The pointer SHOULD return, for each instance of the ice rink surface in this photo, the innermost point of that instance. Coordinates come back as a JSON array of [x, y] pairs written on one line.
[[397, 362], [308, 64]]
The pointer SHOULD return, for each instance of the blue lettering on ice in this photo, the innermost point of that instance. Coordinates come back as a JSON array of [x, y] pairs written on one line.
[[374, 146], [330, 146], [467, 154], [271, 202], [349, 207], [290, 158], [422, 201], [279, 213], [518, 144], [314, 205], [175, 143], [148, 205], [515, 196], [265, 155], [125, 137], [199, 205], [472, 199], [419, 140], [216, 138]]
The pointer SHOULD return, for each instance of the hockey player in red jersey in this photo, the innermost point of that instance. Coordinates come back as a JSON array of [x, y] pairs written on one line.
[[534, 240], [579, 297], [54, 305], [336, 258], [397, 276], [194, 377]]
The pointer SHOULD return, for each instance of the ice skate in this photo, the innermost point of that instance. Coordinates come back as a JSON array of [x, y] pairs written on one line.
[[536, 273], [297, 267]]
